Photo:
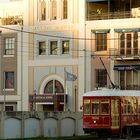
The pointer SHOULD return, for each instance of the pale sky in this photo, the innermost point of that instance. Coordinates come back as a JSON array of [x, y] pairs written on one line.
[[3, 1], [4, 6]]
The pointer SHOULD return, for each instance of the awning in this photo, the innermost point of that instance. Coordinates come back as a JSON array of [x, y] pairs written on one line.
[[100, 31], [126, 67], [127, 30]]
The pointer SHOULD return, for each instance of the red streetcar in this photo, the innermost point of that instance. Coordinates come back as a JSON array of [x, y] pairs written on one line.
[[112, 111]]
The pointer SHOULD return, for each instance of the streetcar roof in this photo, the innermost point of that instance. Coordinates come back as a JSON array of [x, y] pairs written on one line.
[[112, 92]]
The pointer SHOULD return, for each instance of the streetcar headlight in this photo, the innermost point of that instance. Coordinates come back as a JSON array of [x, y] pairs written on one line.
[[94, 121]]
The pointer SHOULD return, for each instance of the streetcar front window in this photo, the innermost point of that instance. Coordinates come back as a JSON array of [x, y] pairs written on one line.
[[86, 107], [95, 106], [104, 107]]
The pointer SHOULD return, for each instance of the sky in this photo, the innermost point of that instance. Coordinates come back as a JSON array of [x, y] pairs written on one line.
[[9, 7], [4, 1]]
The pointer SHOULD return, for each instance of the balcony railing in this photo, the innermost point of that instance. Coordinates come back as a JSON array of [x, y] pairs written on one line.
[[110, 15], [125, 53], [130, 87], [12, 20]]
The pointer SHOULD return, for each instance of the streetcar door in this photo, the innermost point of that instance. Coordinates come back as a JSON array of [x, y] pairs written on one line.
[[115, 110]]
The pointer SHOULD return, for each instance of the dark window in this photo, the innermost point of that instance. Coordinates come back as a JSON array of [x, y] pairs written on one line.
[[135, 43], [9, 80], [65, 47], [122, 44], [104, 107], [101, 41], [122, 80], [9, 46], [95, 106], [54, 10], [54, 86], [128, 44], [53, 48], [65, 9], [101, 78], [43, 10], [86, 107], [58, 87], [42, 48], [9, 108]]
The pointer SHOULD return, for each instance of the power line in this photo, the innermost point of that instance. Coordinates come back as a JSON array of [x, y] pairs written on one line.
[[56, 36], [36, 48]]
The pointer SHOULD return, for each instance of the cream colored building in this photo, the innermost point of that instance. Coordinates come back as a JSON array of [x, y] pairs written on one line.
[[56, 48], [14, 54], [96, 41], [114, 28]]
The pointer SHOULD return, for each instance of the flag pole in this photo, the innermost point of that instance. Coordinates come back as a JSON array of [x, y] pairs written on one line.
[[64, 89]]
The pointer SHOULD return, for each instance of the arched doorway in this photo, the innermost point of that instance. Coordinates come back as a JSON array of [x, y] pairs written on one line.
[[54, 89]]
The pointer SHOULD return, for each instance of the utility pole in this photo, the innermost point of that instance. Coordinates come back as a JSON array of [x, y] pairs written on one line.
[[22, 67], [22, 116]]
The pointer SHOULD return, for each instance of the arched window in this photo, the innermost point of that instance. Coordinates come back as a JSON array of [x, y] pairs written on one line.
[[53, 10], [42, 10], [53, 86], [65, 9]]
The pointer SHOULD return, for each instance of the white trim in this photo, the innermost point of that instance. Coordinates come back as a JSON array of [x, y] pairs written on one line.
[[45, 103], [8, 89], [112, 92], [6, 55], [47, 79]]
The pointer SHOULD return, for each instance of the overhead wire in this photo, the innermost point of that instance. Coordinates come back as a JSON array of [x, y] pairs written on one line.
[[54, 36], [35, 49]]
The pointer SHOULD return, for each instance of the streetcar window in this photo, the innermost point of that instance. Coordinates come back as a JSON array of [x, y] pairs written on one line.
[[134, 105], [138, 105], [127, 106], [104, 107], [95, 106], [86, 107]]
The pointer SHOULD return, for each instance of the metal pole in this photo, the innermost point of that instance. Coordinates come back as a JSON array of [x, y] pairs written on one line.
[[65, 95], [4, 91], [21, 67], [64, 89], [85, 67], [4, 96], [75, 98]]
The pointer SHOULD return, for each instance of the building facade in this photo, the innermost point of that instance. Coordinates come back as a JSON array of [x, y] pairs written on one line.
[[13, 62], [114, 28], [54, 56], [65, 48]]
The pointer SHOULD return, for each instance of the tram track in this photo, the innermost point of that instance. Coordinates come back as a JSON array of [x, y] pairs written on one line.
[[101, 138]]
